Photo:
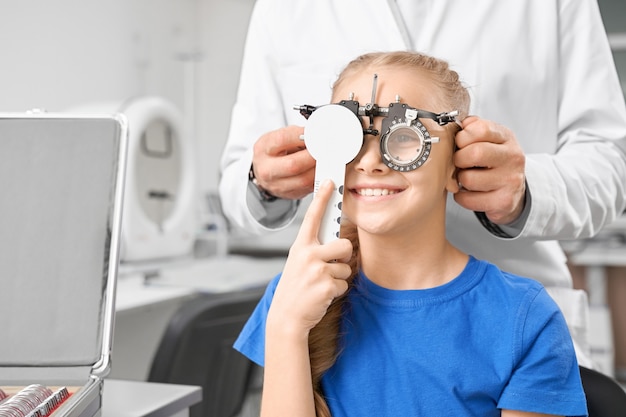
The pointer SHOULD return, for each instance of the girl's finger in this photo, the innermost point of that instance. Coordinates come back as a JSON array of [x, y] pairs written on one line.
[[310, 226]]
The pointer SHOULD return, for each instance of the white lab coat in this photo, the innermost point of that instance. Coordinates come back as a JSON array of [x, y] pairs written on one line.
[[541, 67]]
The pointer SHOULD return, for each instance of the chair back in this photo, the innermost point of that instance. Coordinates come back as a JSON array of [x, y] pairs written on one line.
[[196, 349], [605, 397]]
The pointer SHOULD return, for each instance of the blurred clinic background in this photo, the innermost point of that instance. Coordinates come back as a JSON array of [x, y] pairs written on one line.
[[173, 66]]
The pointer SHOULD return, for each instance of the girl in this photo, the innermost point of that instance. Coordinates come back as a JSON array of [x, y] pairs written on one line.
[[392, 319]]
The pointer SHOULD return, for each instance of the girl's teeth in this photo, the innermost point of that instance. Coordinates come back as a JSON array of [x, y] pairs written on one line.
[[375, 192]]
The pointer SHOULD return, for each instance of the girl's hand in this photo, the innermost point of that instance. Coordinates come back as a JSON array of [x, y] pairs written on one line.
[[314, 274]]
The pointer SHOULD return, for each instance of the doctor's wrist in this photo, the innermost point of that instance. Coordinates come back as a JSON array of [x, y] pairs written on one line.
[[264, 195]]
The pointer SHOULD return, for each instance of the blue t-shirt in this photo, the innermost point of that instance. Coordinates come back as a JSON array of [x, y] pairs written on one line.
[[485, 341]]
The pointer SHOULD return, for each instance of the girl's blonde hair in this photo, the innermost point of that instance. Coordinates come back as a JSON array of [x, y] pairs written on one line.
[[453, 93], [323, 338]]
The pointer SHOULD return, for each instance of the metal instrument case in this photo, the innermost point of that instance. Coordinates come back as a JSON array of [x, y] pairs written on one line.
[[62, 178]]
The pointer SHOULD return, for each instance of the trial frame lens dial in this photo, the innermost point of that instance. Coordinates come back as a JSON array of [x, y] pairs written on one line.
[[405, 147]]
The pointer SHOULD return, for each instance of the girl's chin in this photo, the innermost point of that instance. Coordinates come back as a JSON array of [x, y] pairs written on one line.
[[372, 225]]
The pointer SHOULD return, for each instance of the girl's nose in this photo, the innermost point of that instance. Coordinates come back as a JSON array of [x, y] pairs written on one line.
[[369, 160]]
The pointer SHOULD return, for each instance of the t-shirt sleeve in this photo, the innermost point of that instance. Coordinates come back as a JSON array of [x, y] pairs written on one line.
[[251, 340], [546, 372]]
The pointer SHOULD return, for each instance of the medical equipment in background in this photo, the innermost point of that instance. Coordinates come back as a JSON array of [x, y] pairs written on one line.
[[160, 218]]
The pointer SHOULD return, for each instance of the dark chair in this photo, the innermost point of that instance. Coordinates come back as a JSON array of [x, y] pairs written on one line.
[[196, 349], [605, 397]]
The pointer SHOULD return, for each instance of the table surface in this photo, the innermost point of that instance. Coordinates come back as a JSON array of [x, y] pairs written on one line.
[[146, 399], [181, 279]]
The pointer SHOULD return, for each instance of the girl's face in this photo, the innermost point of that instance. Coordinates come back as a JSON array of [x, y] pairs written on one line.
[[378, 199]]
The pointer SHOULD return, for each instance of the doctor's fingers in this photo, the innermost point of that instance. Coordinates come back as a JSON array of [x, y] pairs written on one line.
[[281, 141], [288, 186], [274, 166], [504, 177], [507, 155], [288, 176], [476, 129], [499, 193], [500, 206]]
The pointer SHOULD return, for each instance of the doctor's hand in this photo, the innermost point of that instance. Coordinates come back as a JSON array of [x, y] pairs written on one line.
[[282, 165], [490, 172], [314, 274]]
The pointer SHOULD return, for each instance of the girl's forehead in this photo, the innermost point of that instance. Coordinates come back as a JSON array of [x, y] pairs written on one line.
[[413, 87]]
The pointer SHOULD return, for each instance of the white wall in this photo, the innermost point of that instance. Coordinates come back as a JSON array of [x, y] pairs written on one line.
[[62, 54], [223, 28]]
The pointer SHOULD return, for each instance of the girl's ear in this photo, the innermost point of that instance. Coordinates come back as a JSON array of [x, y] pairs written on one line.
[[452, 184]]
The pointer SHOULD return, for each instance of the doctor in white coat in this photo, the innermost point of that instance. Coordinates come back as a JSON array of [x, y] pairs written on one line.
[[543, 161]]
